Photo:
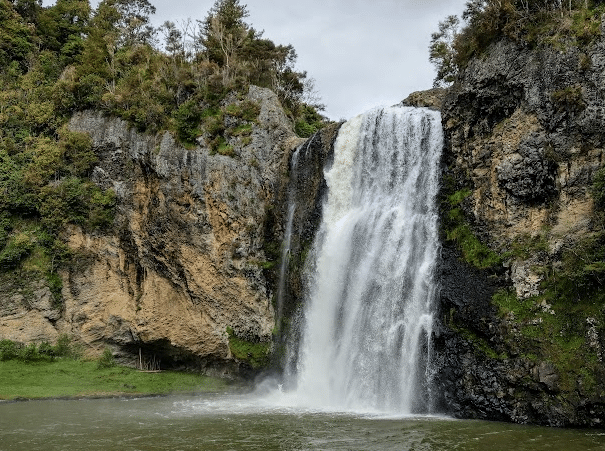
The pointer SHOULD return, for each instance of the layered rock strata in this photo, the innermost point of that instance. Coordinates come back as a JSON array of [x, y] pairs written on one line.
[[525, 137], [184, 259]]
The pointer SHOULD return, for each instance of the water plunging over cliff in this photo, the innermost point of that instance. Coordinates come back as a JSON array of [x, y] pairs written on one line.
[[366, 339]]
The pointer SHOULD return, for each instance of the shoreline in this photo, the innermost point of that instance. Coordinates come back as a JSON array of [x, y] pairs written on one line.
[[116, 395]]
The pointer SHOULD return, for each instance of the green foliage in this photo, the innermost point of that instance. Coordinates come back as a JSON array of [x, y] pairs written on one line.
[[106, 360], [598, 189], [569, 99], [75, 201], [15, 250], [507, 302], [554, 325], [309, 121], [480, 343], [473, 251], [15, 37], [188, 117], [256, 354], [266, 264], [529, 22], [441, 51], [218, 135], [458, 197], [242, 130], [59, 59], [524, 246], [65, 348], [457, 229], [582, 274], [10, 350], [55, 285], [222, 148], [246, 110]]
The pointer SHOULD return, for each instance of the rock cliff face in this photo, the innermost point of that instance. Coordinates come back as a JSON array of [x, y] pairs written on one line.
[[525, 136], [184, 260]]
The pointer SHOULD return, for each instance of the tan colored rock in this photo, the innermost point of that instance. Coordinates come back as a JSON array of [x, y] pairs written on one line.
[[431, 98], [182, 261], [28, 327]]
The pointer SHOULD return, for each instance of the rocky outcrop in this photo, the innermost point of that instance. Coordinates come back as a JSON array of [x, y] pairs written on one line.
[[27, 312], [184, 259], [431, 98], [517, 341]]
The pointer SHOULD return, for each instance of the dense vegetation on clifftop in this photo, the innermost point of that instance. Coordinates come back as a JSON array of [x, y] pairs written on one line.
[[60, 59], [528, 22]]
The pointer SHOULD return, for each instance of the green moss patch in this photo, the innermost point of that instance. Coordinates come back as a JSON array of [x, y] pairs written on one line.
[[256, 354], [555, 327], [456, 229]]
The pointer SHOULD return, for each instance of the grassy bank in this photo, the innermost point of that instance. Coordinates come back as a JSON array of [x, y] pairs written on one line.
[[77, 378]]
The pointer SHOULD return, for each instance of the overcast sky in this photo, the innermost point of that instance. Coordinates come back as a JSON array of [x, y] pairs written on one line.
[[361, 53]]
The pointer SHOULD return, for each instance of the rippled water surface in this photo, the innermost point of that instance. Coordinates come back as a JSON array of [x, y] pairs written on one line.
[[248, 422]]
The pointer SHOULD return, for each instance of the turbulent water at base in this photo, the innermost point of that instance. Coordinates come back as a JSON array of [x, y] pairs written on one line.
[[366, 340]]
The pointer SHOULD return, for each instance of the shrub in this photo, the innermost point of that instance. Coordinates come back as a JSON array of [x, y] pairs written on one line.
[[569, 99], [598, 189], [64, 348], [106, 360], [188, 117], [8, 350], [537, 23], [309, 121], [16, 249]]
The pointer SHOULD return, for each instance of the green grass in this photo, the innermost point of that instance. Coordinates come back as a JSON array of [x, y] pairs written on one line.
[[507, 302], [76, 378], [474, 251]]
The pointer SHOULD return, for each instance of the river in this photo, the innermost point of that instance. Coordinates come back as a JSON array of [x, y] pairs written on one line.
[[238, 421]]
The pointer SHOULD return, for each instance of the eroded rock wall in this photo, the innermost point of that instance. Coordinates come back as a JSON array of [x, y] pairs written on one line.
[[184, 259], [525, 135]]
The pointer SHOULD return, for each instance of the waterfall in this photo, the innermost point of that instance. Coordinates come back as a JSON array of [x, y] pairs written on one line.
[[368, 317], [285, 254]]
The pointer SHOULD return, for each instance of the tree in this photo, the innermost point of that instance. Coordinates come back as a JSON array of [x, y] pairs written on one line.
[[28, 9], [133, 25], [442, 52], [223, 35], [16, 36], [173, 39], [62, 28]]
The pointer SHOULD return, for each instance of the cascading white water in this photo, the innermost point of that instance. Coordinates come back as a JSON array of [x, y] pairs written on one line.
[[284, 261], [369, 313], [286, 246]]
